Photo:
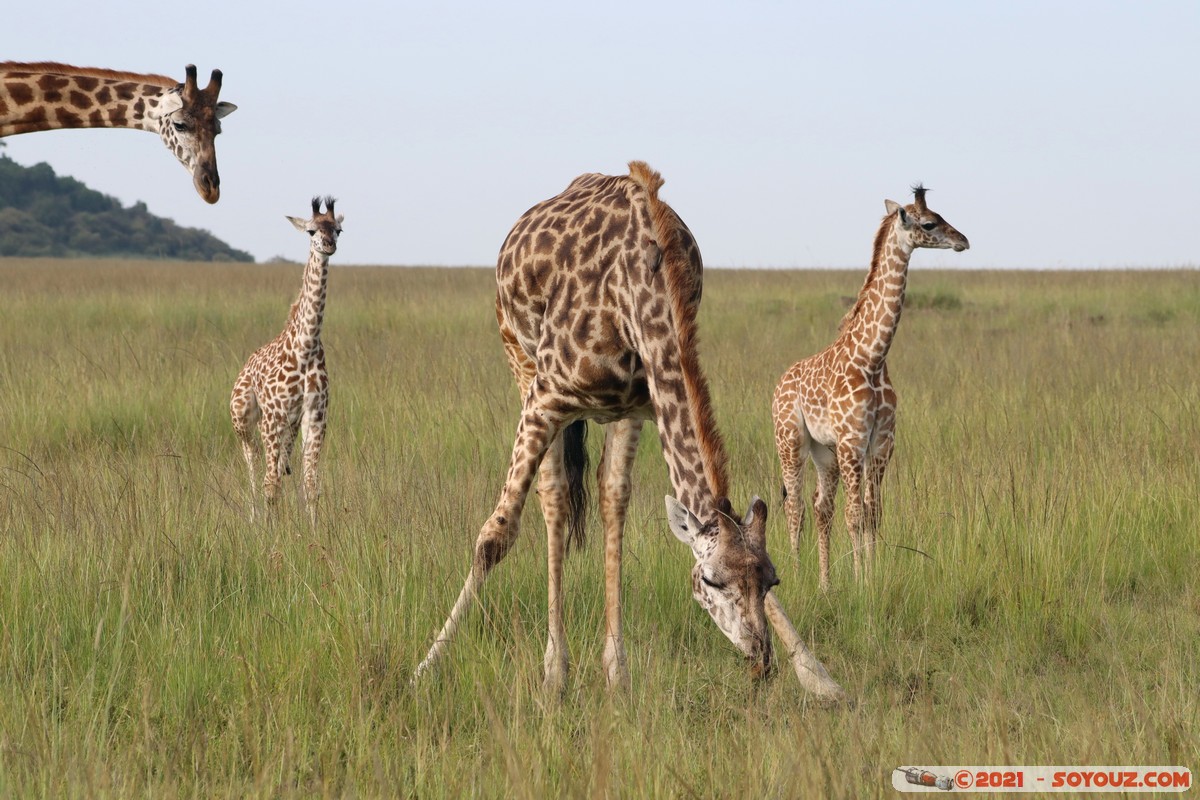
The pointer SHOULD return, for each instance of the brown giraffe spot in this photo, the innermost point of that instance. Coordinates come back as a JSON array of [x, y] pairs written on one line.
[[19, 92], [36, 116], [125, 91], [87, 83], [80, 100], [52, 83], [66, 118], [104, 96]]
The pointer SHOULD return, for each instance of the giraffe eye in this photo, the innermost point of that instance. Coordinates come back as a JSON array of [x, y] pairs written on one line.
[[929, 225], [179, 126], [710, 583]]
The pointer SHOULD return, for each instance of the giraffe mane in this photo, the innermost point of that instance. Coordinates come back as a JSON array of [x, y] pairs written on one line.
[[682, 284], [91, 72], [876, 258]]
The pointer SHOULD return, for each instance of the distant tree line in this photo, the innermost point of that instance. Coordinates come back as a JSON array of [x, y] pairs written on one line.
[[42, 214]]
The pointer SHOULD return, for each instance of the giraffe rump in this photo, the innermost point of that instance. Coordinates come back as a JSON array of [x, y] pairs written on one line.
[[684, 287]]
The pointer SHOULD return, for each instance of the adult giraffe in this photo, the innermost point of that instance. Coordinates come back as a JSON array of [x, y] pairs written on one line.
[[46, 96], [597, 293]]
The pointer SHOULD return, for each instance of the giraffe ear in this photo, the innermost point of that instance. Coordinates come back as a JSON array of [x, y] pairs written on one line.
[[683, 522], [299, 224], [892, 206], [754, 525], [340, 217], [225, 109], [168, 105]]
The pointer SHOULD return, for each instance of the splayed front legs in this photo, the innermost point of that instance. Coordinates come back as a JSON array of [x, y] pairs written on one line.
[[538, 427]]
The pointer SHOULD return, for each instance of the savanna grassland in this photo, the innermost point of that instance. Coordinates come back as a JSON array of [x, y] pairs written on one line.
[[154, 642]]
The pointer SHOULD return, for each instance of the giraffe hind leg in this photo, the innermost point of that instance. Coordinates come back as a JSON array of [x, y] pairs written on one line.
[[553, 496], [620, 447], [245, 412], [793, 455]]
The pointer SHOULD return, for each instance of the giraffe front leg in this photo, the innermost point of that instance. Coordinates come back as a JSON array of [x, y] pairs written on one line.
[[873, 491], [313, 428], [537, 429], [851, 464], [620, 447], [274, 433], [811, 672], [824, 496], [552, 491]]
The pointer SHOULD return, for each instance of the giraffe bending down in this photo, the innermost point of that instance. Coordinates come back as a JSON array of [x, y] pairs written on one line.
[[838, 407], [284, 387], [46, 96], [597, 293]]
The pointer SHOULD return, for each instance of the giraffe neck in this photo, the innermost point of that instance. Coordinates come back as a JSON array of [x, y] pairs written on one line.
[[41, 97], [871, 325], [310, 308]]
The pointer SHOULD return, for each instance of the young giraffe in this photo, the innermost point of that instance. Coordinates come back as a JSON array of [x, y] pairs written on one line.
[[838, 407], [46, 96], [597, 293], [283, 386]]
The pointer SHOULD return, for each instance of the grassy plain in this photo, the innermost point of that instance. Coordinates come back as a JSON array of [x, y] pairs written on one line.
[[153, 642]]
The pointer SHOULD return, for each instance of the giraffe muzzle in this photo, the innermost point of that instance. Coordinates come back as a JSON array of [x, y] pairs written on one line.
[[208, 184]]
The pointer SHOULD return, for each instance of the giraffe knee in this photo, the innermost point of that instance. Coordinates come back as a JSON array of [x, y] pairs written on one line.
[[494, 542]]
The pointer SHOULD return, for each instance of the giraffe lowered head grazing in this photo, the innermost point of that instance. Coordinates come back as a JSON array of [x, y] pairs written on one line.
[[46, 96], [732, 574]]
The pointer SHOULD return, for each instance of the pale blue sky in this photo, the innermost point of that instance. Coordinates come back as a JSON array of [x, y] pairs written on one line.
[[1053, 134]]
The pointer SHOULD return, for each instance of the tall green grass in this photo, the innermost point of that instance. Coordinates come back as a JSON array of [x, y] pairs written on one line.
[[155, 642]]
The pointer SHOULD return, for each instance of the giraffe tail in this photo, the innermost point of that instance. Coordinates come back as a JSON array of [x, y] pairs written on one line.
[[575, 459]]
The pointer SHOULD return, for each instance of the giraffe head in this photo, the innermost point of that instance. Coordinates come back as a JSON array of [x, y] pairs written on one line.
[[732, 574], [189, 120], [923, 227], [323, 228]]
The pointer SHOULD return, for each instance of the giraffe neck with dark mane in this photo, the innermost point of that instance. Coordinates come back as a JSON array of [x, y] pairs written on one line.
[[869, 327], [50, 96], [698, 462]]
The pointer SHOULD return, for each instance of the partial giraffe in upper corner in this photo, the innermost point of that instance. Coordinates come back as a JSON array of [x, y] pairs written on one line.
[[596, 298], [46, 96], [838, 407], [284, 387]]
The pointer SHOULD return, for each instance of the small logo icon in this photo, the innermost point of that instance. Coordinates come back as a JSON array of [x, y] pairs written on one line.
[[923, 777]]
